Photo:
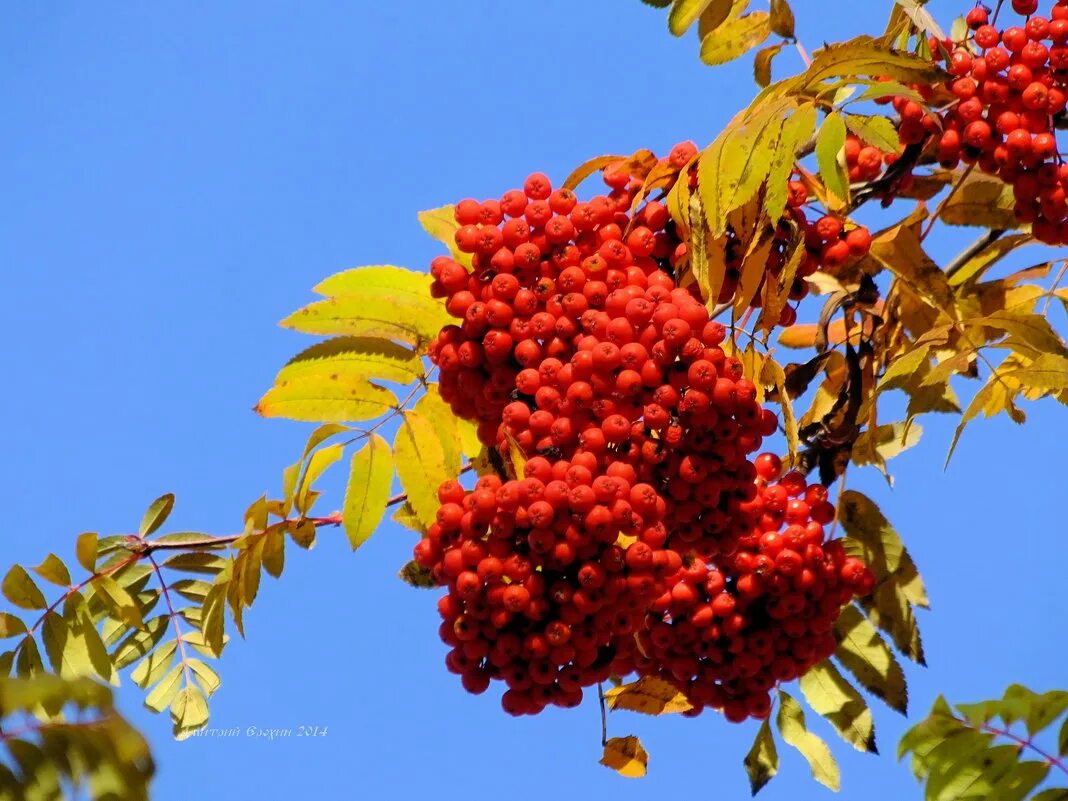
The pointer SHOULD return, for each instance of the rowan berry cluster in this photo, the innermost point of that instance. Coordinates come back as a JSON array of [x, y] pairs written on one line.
[[605, 385], [1010, 86]]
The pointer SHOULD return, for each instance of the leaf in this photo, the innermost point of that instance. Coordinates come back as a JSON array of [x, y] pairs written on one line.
[[326, 398], [1047, 373], [865, 56], [164, 692], [85, 549], [206, 675], [762, 63], [189, 712], [441, 224], [118, 601], [900, 251], [140, 643], [782, 19], [831, 695], [156, 514], [354, 358], [274, 552], [774, 374], [791, 723], [1055, 794], [889, 609], [718, 12], [375, 312], [649, 696], [319, 463], [370, 478], [981, 201], [10, 626], [762, 761], [877, 445], [878, 544], [52, 569], [415, 575], [877, 131], [974, 267], [865, 654], [626, 756], [21, 590], [1030, 329], [684, 13], [735, 38], [422, 463], [830, 156]]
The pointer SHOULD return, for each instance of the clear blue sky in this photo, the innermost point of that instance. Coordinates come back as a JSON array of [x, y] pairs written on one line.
[[175, 179]]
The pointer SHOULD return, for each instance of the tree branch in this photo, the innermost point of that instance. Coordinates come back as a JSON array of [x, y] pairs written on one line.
[[973, 250]]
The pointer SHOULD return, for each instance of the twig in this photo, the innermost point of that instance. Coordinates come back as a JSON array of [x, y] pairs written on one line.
[[1023, 743], [973, 250], [1053, 287], [604, 714]]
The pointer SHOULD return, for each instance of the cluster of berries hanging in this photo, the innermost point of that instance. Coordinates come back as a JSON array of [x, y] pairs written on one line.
[[638, 535], [1010, 87]]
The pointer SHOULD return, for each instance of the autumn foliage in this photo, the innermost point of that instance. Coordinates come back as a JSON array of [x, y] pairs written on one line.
[[621, 425]]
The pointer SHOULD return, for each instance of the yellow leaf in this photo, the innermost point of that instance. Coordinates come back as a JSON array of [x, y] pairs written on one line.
[[796, 131], [865, 654], [588, 168], [718, 12], [735, 38], [877, 445], [987, 257], [774, 375], [21, 590], [370, 477], [782, 19], [982, 201], [423, 463], [441, 224], [326, 398], [85, 549], [890, 611], [648, 695], [626, 756], [865, 56], [754, 269], [319, 463], [356, 357], [10, 626], [791, 723], [762, 761], [684, 13], [900, 251], [830, 695], [189, 712], [120, 603], [52, 569]]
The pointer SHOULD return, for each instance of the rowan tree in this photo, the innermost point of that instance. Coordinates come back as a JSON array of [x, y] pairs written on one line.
[[620, 413]]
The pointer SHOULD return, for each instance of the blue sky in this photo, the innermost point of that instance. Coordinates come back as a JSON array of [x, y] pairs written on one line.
[[176, 178]]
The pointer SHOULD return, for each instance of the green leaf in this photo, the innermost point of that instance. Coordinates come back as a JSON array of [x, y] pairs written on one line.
[[157, 514], [735, 38], [877, 131], [1018, 781], [196, 562], [791, 723], [1055, 794], [684, 13], [164, 692], [423, 463], [828, 692], [189, 711], [866, 655], [762, 761], [52, 569], [370, 478], [1062, 739], [28, 659], [329, 397], [356, 357], [120, 603], [10, 626], [21, 590], [830, 156], [85, 549]]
